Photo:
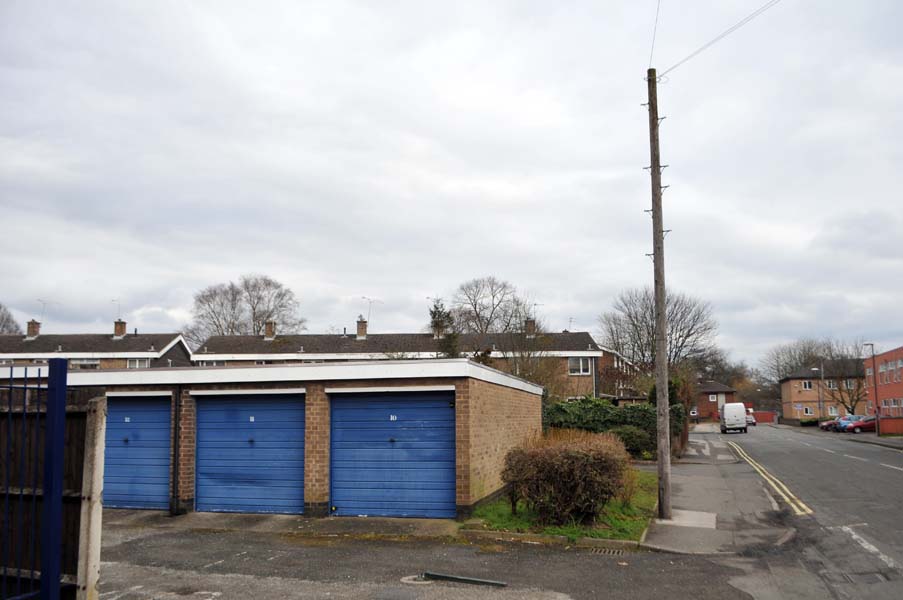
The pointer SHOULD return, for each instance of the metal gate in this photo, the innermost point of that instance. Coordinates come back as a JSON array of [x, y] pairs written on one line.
[[32, 443]]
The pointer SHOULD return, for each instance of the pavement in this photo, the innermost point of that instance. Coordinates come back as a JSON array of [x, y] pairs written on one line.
[[720, 505]]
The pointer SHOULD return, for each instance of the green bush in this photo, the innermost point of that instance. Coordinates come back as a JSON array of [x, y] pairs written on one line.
[[567, 480], [808, 422], [636, 440], [599, 415]]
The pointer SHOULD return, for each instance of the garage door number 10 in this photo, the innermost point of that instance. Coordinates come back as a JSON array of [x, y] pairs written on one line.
[[393, 417]]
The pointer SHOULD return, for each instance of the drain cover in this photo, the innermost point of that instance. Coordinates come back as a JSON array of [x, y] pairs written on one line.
[[607, 551]]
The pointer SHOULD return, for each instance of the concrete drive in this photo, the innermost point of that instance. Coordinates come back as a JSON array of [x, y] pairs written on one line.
[[148, 555]]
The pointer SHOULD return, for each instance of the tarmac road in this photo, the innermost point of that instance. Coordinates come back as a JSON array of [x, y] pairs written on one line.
[[855, 493]]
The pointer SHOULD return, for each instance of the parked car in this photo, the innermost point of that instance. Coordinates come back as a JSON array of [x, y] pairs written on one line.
[[750, 419], [830, 424], [865, 424], [842, 422]]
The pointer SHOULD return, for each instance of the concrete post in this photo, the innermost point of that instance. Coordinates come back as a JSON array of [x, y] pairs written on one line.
[[92, 501]]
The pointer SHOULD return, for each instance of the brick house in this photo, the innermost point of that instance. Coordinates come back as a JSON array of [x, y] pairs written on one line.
[[95, 351], [712, 396], [569, 364], [415, 438], [890, 383], [810, 393]]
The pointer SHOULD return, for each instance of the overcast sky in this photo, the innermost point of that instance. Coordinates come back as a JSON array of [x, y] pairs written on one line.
[[396, 149]]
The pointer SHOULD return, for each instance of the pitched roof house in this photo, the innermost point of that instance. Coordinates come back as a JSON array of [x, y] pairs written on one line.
[[570, 362], [120, 350]]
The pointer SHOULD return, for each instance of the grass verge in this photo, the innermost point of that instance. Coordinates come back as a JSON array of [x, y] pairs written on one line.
[[617, 522]]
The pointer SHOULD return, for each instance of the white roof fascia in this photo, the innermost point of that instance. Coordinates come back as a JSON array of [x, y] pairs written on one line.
[[248, 392], [387, 369], [175, 341], [374, 356], [48, 355], [158, 394], [393, 388]]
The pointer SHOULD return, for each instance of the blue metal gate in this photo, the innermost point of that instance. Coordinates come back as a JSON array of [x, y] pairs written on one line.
[[393, 454], [137, 453], [250, 454], [32, 435]]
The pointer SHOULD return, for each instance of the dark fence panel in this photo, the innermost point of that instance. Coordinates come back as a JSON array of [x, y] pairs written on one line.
[[37, 492]]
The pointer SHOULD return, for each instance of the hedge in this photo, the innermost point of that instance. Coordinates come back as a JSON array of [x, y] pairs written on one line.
[[569, 479], [599, 415]]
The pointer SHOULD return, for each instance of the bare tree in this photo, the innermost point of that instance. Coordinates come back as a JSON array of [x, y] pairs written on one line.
[[243, 308], [844, 374], [784, 359], [629, 328], [8, 324], [487, 305]]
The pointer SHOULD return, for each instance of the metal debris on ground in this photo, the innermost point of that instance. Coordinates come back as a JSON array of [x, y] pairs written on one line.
[[461, 579]]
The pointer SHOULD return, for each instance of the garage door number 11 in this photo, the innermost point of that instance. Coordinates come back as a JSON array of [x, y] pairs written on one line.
[[393, 417]]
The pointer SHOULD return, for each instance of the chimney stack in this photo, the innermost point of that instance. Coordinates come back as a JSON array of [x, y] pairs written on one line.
[[530, 327], [361, 328], [269, 330], [118, 329], [34, 329]]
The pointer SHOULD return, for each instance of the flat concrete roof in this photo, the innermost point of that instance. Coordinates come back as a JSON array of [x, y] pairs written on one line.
[[326, 371]]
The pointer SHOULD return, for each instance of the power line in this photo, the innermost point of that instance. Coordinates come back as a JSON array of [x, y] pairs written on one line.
[[658, 5], [722, 35]]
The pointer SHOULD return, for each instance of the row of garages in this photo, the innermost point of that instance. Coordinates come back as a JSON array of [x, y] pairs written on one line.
[[406, 438]]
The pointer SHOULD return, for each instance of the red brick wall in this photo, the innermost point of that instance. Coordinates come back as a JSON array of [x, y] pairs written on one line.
[[890, 383]]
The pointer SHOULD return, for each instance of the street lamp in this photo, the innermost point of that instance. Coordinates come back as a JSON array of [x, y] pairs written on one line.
[[875, 378], [821, 406]]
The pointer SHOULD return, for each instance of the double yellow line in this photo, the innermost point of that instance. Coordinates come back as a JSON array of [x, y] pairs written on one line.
[[797, 505]]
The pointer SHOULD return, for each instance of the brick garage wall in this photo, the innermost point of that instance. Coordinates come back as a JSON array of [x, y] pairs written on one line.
[[316, 450], [490, 420], [185, 469]]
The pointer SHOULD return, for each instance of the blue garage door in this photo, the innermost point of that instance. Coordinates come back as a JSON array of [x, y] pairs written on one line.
[[137, 454], [250, 454], [393, 454]]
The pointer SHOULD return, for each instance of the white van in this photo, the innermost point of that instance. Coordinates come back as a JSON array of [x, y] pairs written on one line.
[[733, 416]]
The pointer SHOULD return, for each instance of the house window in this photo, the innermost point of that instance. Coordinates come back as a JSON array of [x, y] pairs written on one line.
[[832, 410], [713, 397], [885, 403], [4, 362], [807, 410], [578, 366], [138, 363], [84, 363], [849, 384], [831, 384], [211, 363], [807, 385]]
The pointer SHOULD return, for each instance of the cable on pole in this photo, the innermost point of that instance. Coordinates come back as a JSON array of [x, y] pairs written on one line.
[[722, 35], [658, 6]]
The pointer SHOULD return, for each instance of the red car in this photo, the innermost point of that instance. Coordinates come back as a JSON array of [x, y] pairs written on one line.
[[866, 424]]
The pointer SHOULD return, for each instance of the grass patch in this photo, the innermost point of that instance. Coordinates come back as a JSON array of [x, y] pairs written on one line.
[[617, 521]]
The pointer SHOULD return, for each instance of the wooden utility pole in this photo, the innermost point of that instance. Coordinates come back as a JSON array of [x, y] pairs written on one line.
[[661, 317]]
